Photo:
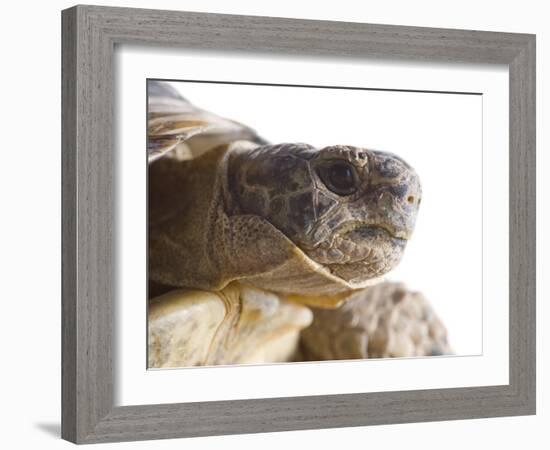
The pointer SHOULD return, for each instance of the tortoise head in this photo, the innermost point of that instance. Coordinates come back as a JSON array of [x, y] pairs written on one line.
[[350, 209]]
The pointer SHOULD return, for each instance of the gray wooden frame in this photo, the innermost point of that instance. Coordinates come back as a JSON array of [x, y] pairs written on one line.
[[90, 34]]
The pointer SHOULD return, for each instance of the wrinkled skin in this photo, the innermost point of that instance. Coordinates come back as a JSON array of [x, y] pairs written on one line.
[[350, 209]]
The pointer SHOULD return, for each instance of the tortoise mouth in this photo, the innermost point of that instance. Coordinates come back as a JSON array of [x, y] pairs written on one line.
[[371, 229], [360, 253]]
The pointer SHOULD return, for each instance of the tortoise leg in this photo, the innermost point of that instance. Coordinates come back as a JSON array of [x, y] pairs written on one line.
[[386, 320], [237, 325]]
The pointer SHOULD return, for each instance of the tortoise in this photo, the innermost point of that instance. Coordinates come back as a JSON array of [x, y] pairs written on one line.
[[247, 239]]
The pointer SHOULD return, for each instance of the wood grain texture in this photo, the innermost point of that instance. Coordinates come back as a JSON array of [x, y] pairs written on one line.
[[68, 227], [522, 225], [89, 37]]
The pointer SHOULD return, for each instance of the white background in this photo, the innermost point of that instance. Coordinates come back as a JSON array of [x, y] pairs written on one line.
[[30, 229]]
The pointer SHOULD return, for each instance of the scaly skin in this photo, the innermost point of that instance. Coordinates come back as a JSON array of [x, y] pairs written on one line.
[[384, 321], [358, 235]]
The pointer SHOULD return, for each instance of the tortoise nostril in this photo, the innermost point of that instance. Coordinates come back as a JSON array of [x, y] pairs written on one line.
[[410, 199]]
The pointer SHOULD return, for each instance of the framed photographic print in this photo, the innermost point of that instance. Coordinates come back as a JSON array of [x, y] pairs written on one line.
[[268, 222]]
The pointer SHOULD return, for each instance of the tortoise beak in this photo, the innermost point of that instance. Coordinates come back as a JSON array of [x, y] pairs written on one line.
[[394, 194]]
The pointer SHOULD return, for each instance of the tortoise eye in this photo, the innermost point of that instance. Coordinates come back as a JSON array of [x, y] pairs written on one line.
[[339, 177]]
